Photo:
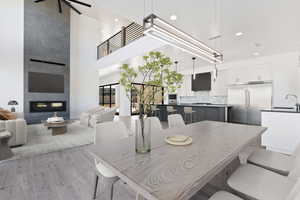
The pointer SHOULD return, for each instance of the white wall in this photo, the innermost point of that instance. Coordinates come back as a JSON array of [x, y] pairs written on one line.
[[11, 52], [84, 92]]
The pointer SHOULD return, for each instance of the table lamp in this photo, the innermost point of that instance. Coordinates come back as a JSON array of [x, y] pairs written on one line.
[[13, 103]]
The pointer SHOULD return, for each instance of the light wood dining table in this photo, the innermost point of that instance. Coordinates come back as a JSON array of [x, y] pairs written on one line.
[[176, 172]]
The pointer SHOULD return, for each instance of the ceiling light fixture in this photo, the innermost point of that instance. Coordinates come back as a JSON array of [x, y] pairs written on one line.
[[169, 34], [194, 74], [68, 3], [256, 54], [116, 19], [173, 17], [176, 67], [238, 34]]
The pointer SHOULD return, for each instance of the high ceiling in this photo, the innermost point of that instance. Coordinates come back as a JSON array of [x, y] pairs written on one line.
[[268, 26], [110, 22]]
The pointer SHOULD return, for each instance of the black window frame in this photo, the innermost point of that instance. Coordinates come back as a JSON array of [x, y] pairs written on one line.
[[131, 103], [110, 94]]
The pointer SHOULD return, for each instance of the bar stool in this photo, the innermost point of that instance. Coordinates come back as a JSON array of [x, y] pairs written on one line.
[[188, 111], [171, 110], [155, 111]]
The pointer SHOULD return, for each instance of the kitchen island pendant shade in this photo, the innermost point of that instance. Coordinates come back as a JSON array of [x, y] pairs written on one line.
[[176, 66], [194, 74], [169, 34]]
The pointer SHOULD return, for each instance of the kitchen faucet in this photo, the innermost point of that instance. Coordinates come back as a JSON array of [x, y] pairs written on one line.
[[297, 102]]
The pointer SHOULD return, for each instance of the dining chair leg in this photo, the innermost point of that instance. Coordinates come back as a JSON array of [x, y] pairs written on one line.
[[96, 186], [139, 197], [112, 189]]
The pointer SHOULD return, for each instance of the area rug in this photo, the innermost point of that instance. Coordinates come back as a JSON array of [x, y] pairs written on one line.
[[41, 141]]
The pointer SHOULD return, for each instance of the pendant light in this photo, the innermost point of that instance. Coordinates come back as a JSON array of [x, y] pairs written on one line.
[[216, 39], [215, 73], [194, 74], [176, 67]]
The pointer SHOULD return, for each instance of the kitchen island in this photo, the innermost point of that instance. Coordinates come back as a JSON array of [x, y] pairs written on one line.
[[213, 112], [283, 130]]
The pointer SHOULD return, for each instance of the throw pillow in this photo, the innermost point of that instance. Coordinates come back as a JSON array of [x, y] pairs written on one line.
[[7, 115]]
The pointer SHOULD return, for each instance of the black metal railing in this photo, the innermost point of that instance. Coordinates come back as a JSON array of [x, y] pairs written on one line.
[[127, 35]]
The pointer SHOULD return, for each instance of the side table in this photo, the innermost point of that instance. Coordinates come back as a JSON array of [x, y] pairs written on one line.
[[5, 151]]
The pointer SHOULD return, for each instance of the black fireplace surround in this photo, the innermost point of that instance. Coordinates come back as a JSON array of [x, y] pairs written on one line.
[[47, 106]]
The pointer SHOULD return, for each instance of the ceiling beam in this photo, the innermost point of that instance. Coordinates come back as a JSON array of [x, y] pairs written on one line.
[[70, 5], [81, 3]]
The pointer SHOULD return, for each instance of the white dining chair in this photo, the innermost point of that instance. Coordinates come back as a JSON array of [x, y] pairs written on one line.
[[108, 131], [155, 123], [259, 183], [151, 123], [175, 121], [223, 195], [274, 161]]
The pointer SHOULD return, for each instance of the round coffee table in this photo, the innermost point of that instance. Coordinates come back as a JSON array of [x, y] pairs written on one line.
[[58, 128]]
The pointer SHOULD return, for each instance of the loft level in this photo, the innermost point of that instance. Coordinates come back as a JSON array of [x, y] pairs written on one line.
[[127, 35]]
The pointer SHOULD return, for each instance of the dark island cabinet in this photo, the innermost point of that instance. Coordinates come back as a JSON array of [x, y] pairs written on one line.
[[218, 113]]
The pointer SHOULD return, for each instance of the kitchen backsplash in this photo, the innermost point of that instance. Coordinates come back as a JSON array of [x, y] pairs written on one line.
[[203, 97]]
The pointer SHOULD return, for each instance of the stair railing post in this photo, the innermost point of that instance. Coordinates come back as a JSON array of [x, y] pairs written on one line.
[[123, 36]]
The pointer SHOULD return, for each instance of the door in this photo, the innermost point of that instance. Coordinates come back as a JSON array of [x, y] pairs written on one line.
[[260, 97], [237, 98]]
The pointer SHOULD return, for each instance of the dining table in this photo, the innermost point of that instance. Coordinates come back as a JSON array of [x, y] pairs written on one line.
[[171, 172]]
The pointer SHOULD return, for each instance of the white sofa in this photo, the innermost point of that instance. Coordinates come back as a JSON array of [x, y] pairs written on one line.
[[17, 128], [104, 116], [97, 115], [86, 116]]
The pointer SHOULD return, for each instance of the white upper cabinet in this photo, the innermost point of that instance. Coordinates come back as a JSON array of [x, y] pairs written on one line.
[[251, 73]]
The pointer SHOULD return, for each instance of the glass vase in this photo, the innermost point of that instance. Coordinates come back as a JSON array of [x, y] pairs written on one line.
[[143, 133]]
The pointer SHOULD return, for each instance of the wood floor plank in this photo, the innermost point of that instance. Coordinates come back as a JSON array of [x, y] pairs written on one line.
[[64, 175]]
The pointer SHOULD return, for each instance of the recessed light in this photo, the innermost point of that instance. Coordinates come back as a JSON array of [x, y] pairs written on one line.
[[239, 34], [256, 54], [173, 17], [116, 19]]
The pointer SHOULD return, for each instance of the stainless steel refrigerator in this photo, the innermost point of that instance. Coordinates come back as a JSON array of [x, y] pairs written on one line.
[[248, 100]]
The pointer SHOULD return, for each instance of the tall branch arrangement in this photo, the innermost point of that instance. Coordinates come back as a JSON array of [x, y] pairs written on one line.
[[156, 71]]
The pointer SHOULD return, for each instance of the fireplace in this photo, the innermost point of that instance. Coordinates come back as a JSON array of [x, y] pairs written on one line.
[[47, 106]]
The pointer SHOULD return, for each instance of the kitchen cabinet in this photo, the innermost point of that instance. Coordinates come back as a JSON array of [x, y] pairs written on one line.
[[249, 73], [282, 134], [202, 112]]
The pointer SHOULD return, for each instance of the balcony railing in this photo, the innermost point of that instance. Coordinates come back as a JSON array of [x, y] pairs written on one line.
[[127, 35]]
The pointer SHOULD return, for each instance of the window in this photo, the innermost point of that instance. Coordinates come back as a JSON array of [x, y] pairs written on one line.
[[148, 89], [107, 95]]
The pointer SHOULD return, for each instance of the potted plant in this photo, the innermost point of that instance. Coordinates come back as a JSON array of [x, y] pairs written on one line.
[[157, 72]]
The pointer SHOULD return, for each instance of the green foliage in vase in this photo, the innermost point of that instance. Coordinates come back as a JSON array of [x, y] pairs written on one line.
[[156, 71]]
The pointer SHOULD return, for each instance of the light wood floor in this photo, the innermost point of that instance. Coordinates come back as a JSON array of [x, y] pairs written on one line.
[[65, 175]]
